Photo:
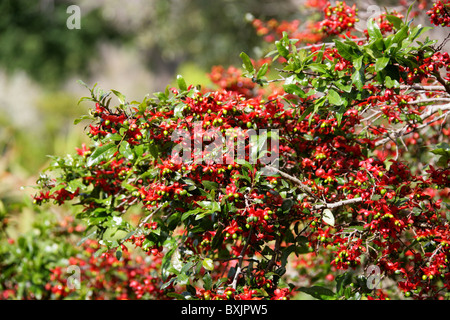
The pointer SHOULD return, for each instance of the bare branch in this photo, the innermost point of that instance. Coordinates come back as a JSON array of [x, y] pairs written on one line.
[[333, 205], [302, 186], [241, 259]]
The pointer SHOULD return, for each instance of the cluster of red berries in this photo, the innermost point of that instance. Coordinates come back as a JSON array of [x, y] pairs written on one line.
[[440, 13], [338, 19], [433, 64]]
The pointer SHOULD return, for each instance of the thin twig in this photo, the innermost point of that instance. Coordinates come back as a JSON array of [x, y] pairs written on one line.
[[241, 259], [333, 205], [302, 186]]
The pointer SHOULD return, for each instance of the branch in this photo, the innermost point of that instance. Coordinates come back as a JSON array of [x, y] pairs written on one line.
[[302, 186], [241, 259], [402, 131], [424, 88], [429, 100], [333, 205], [329, 44], [433, 109], [308, 190]]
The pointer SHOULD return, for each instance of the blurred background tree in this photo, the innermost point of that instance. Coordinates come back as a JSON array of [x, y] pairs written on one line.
[[35, 38]]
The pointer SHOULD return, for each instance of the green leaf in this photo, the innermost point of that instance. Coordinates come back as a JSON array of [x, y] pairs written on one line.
[[381, 63], [262, 71], [358, 79], [85, 117], [318, 67], [396, 21], [207, 281], [344, 50], [248, 65], [286, 253], [178, 110], [99, 154], [73, 185], [210, 185], [318, 292], [119, 96], [443, 149], [100, 251], [344, 87], [125, 150], [334, 98], [409, 10], [176, 296], [342, 281], [295, 90], [154, 151], [208, 264], [358, 62], [181, 83], [390, 83], [373, 29], [189, 213], [339, 116], [282, 49], [304, 115], [328, 217]]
